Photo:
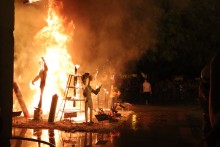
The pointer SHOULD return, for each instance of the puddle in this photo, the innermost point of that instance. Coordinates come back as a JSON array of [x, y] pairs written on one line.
[[62, 138]]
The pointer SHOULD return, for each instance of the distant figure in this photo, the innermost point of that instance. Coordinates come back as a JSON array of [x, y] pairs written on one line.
[[87, 91], [147, 91], [42, 75]]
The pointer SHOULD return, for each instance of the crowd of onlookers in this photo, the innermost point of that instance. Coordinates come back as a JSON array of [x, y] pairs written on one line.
[[168, 90], [176, 91]]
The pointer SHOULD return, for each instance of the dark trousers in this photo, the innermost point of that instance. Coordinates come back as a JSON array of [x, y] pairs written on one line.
[[145, 97], [210, 138]]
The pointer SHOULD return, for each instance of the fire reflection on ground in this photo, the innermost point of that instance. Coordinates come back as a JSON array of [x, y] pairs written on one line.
[[62, 138]]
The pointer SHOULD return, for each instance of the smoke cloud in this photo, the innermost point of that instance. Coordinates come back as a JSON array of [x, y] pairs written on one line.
[[110, 33], [29, 19], [107, 35]]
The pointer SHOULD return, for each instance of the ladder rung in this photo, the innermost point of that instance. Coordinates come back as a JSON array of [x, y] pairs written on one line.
[[72, 99], [78, 99], [73, 87], [72, 110], [68, 98], [77, 75]]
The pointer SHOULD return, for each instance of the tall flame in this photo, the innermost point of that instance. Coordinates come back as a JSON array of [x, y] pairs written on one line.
[[52, 40]]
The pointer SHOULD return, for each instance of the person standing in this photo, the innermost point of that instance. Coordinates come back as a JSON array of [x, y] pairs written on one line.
[[147, 91], [87, 93], [210, 102], [42, 75], [204, 88], [214, 98]]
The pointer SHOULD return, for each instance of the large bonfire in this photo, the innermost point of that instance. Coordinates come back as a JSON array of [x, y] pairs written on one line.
[[51, 42]]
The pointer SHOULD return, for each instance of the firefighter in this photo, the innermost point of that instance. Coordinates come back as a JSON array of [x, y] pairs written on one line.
[[42, 75], [87, 91]]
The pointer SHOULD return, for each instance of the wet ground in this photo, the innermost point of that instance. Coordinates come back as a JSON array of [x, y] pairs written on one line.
[[157, 126], [147, 125]]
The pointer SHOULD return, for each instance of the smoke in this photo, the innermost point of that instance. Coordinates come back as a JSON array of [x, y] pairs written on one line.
[[29, 19], [107, 33], [110, 33]]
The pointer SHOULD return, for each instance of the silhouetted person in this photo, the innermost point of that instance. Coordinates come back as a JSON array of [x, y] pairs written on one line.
[[42, 75], [204, 88], [147, 91], [210, 102], [214, 97]]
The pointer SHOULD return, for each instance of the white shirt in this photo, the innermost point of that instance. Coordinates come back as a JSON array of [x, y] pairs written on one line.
[[146, 86]]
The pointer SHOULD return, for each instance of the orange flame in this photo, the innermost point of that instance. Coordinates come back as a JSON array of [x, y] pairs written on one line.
[[53, 40]]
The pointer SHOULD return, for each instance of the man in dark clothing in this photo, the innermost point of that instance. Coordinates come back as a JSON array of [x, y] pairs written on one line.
[[210, 102], [214, 98], [204, 87]]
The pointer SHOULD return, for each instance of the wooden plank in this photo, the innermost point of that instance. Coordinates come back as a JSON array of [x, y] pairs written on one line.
[[21, 100], [70, 114]]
